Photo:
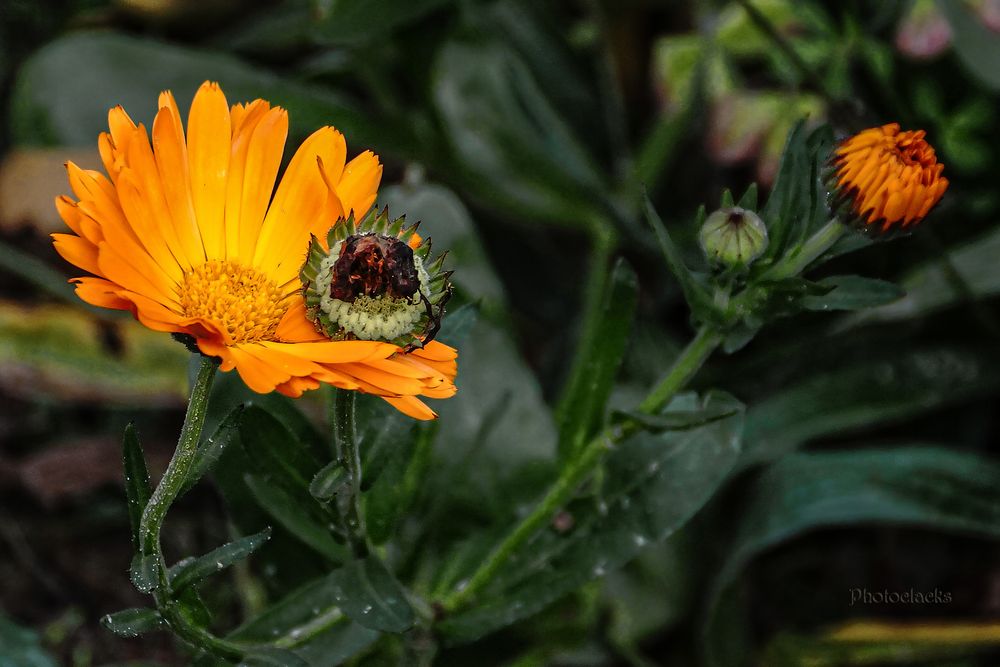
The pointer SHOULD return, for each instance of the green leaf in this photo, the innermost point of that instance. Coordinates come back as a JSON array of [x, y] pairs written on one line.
[[904, 382], [582, 407], [368, 593], [749, 199], [489, 431], [274, 449], [192, 570], [510, 144], [133, 622], [382, 432], [137, 487], [50, 106], [358, 21], [934, 487], [654, 483], [383, 502], [797, 204], [296, 518], [853, 293], [273, 657], [20, 647], [312, 603], [210, 451], [934, 285], [696, 295], [974, 43], [309, 622], [675, 420], [328, 481], [457, 325], [144, 572]]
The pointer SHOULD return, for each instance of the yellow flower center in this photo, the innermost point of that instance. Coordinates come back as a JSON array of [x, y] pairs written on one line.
[[243, 301]]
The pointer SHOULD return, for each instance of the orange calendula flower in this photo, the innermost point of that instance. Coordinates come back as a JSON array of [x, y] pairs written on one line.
[[890, 178], [184, 233]]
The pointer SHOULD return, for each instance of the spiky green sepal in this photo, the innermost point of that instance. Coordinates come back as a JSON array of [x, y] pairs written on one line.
[[408, 323]]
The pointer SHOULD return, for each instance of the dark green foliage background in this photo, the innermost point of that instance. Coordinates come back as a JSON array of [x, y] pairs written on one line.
[[856, 449]]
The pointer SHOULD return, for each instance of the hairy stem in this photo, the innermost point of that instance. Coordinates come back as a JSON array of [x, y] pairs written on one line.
[[346, 445], [178, 470], [173, 480]]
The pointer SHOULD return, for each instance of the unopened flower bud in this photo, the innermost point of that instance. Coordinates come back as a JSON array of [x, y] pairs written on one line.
[[733, 237]]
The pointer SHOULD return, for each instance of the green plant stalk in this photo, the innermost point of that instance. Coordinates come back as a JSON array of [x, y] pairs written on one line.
[[174, 479], [345, 443], [690, 360], [577, 470], [177, 471], [796, 261]]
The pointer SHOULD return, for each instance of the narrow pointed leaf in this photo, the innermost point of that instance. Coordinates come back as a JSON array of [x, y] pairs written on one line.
[[137, 487], [749, 199], [680, 420], [144, 572], [133, 622], [853, 293], [368, 593], [383, 502], [293, 518], [581, 409], [695, 294], [328, 481], [211, 450], [275, 450], [309, 622], [192, 570]]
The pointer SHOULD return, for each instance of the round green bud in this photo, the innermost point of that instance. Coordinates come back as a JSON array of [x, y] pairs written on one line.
[[733, 237]]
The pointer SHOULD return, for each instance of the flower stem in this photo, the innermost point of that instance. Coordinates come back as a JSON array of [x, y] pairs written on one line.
[[578, 469], [796, 261], [346, 444], [173, 480], [177, 471], [684, 368]]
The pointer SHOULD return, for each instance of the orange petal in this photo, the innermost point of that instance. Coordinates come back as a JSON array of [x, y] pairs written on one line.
[[359, 184], [336, 351], [294, 326], [209, 140], [411, 407], [297, 207], [385, 382], [258, 145], [175, 175], [101, 293], [77, 251]]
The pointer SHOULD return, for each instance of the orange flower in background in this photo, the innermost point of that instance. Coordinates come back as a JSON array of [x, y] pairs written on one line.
[[890, 178], [186, 236]]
